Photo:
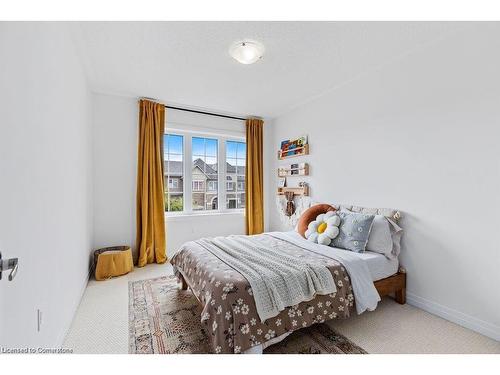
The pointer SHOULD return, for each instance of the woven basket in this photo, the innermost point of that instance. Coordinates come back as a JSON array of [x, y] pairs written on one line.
[[115, 271]]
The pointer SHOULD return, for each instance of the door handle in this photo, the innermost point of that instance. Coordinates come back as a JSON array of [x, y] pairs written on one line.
[[9, 264], [13, 273]]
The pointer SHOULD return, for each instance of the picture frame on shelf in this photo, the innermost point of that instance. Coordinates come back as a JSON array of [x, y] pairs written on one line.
[[281, 182]]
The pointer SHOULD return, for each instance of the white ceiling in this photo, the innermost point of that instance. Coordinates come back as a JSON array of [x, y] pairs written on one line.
[[187, 63]]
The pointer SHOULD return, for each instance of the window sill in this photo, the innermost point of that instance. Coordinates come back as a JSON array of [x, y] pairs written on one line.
[[186, 216]]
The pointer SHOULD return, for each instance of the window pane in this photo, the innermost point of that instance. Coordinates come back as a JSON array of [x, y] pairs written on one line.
[[198, 146], [231, 149], [230, 186], [242, 150], [240, 166], [176, 203], [212, 186], [174, 172], [241, 183], [175, 144], [211, 147], [231, 165], [241, 200], [235, 174], [211, 162], [204, 174]]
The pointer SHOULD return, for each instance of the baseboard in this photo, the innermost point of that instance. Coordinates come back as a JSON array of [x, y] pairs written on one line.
[[485, 328], [64, 332]]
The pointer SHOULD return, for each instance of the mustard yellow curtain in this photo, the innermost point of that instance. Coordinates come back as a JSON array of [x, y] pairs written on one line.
[[254, 190], [151, 236]]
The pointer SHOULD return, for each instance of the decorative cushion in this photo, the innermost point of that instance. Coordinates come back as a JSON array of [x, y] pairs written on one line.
[[396, 233], [389, 213], [324, 229], [354, 231], [310, 215], [380, 240]]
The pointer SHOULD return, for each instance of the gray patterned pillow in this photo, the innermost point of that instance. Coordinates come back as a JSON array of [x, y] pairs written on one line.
[[354, 231]]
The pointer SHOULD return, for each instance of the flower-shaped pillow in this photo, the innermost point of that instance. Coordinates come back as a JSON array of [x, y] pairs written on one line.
[[324, 229], [310, 215]]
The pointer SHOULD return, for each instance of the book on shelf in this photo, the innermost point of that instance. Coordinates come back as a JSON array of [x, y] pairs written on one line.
[[293, 147]]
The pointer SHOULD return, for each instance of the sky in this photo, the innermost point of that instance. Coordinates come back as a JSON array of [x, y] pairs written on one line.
[[205, 149]]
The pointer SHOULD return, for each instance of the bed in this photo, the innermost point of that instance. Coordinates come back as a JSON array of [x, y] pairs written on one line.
[[232, 313]]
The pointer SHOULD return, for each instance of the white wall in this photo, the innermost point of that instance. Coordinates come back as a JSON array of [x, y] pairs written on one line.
[[270, 173], [187, 228], [115, 169], [420, 134], [115, 173], [45, 181]]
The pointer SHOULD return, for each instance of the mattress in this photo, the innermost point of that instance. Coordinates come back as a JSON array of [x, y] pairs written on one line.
[[379, 265]]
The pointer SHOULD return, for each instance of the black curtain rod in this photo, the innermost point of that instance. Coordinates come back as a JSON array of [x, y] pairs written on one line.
[[204, 113]]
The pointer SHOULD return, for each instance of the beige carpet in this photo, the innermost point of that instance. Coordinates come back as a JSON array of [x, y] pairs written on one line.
[[394, 328], [101, 324]]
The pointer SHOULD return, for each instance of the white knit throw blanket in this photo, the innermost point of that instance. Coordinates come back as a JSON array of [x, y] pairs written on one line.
[[278, 280]]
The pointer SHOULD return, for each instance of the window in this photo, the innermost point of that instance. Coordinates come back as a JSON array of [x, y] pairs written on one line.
[[212, 186], [174, 172], [173, 183], [235, 174], [194, 172], [198, 185], [204, 173]]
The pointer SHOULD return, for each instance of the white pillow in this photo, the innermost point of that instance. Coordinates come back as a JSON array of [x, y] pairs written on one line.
[[396, 232], [380, 240]]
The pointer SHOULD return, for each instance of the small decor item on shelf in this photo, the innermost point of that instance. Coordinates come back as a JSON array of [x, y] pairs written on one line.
[[324, 229], [290, 205], [297, 169], [281, 182], [112, 261]]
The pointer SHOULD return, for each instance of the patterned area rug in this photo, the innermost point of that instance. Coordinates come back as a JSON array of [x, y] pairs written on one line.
[[163, 319]]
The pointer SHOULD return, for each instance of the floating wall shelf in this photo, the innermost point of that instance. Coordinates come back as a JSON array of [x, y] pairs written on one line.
[[304, 191], [301, 170], [291, 153]]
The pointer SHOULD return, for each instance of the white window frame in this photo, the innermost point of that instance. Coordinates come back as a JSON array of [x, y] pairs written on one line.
[[168, 213], [235, 186], [188, 132]]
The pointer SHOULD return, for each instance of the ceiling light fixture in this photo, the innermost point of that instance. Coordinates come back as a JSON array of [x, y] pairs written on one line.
[[247, 52]]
